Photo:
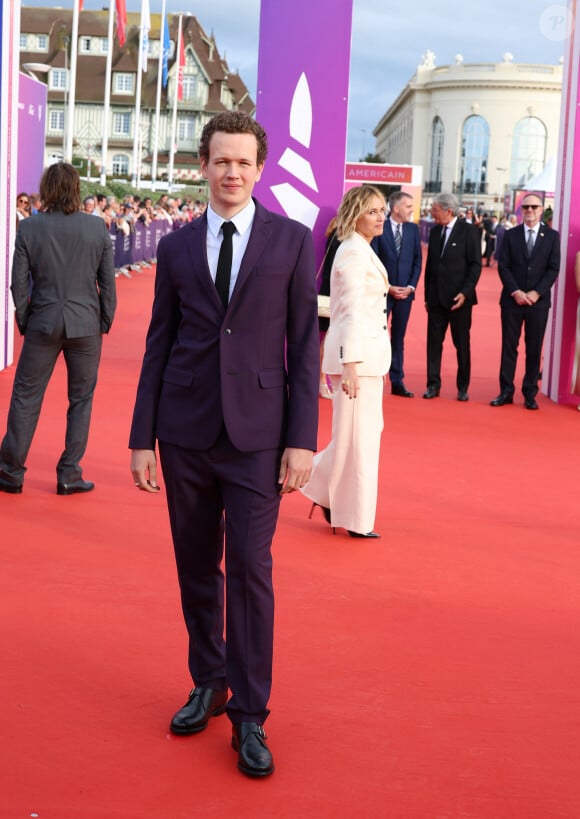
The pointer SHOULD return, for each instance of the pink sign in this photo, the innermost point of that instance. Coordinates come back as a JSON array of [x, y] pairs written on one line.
[[380, 174], [303, 74]]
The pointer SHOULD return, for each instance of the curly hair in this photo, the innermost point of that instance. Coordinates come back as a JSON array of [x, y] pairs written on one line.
[[233, 122], [354, 203], [60, 188]]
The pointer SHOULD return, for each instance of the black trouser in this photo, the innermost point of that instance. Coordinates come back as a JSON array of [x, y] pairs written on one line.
[[35, 367], [534, 320], [439, 318]]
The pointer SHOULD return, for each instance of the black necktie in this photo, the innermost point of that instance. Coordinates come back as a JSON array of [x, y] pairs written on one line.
[[442, 240], [224, 266], [398, 239]]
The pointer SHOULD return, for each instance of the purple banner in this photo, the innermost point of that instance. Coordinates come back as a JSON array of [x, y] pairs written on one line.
[[561, 368], [31, 133], [303, 72]]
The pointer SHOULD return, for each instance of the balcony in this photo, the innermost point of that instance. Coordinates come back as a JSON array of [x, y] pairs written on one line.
[[469, 188]]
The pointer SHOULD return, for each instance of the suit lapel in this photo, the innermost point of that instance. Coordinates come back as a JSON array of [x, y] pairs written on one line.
[[258, 242], [197, 250]]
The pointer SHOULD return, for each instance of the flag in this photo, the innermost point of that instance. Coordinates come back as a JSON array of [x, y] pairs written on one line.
[[166, 50], [121, 7], [180, 67], [81, 5], [145, 27]]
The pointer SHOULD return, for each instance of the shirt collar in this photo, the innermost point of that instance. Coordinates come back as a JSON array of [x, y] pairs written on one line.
[[242, 220]]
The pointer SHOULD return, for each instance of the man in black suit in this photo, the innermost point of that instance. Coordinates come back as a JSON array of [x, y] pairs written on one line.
[[451, 274], [529, 263], [63, 286], [399, 249]]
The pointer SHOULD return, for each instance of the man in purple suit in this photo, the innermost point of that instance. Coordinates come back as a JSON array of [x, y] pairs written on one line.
[[229, 390]]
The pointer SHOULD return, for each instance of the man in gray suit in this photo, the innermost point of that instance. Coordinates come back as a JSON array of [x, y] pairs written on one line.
[[63, 286]]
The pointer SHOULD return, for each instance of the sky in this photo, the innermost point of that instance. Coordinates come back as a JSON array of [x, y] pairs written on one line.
[[388, 42]]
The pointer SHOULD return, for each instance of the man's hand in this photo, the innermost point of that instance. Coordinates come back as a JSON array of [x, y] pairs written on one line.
[[399, 292], [522, 298], [144, 469], [295, 469], [458, 301], [533, 296]]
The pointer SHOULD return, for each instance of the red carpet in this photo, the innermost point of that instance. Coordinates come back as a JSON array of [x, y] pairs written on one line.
[[432, 673]]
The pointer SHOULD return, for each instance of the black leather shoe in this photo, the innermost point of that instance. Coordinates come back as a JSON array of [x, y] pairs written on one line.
[[9, 486], [431, 393], [254, 757], [502, 399], [462, 395], [400, 389], [531, 403], [73, 488], [203, 703], [363, 534]]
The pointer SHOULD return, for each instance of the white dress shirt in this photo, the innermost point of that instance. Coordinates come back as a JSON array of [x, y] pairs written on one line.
[[243, 222]]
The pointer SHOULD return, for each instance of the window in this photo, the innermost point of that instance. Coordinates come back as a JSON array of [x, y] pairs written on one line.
[[58, 79], [528, 150], [104, 45], [474, 154], [189, 87], [42, 42], [437, 141], [56, 121], [120, 165], [24, 42], [85, 45], [185, 128], [122, 124], [124, 83]]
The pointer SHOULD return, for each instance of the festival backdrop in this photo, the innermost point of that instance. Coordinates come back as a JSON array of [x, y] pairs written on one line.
[[302, 102], [561, 370]]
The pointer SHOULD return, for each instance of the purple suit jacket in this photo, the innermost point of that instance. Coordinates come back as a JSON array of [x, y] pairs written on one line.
[[253, 367]]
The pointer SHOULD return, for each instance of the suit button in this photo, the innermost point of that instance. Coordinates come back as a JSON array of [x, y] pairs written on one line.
[[385, 310], [227, 332], [385, 327]]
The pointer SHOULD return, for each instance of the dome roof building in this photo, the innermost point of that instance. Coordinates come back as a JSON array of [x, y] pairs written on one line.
[[477, 129]]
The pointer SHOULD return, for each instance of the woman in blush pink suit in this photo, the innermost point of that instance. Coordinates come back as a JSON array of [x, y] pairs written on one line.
[[357, 355]]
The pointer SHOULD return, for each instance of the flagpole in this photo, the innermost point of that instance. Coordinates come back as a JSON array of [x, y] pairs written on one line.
[[107, 101], [158, 97], [174, 117], [137, 129], [70, 114]]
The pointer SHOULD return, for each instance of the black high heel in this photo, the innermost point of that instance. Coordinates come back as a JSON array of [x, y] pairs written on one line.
[[361, 534], [325, 512]]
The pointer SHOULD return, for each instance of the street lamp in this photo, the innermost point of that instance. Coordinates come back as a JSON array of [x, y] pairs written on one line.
[[36, 68], [501, 172]]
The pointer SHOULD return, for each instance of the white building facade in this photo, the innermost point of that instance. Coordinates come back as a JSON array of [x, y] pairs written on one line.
[[479, 130]]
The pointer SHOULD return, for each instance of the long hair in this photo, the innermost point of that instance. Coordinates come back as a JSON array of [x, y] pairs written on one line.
[[60, 188], [354, 204]]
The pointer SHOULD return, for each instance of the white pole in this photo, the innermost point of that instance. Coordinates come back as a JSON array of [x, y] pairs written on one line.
[[174, 117], [158, 99], [135, 177], [70, 116], [107, 102]]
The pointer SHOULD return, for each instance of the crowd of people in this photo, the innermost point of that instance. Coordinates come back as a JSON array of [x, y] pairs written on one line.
[[124, 213]]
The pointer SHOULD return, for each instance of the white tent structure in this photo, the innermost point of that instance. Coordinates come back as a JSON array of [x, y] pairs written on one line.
[[545, 180]]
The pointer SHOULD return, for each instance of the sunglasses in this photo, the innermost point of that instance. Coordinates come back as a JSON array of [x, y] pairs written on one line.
[[531, 207], [24, 200]]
